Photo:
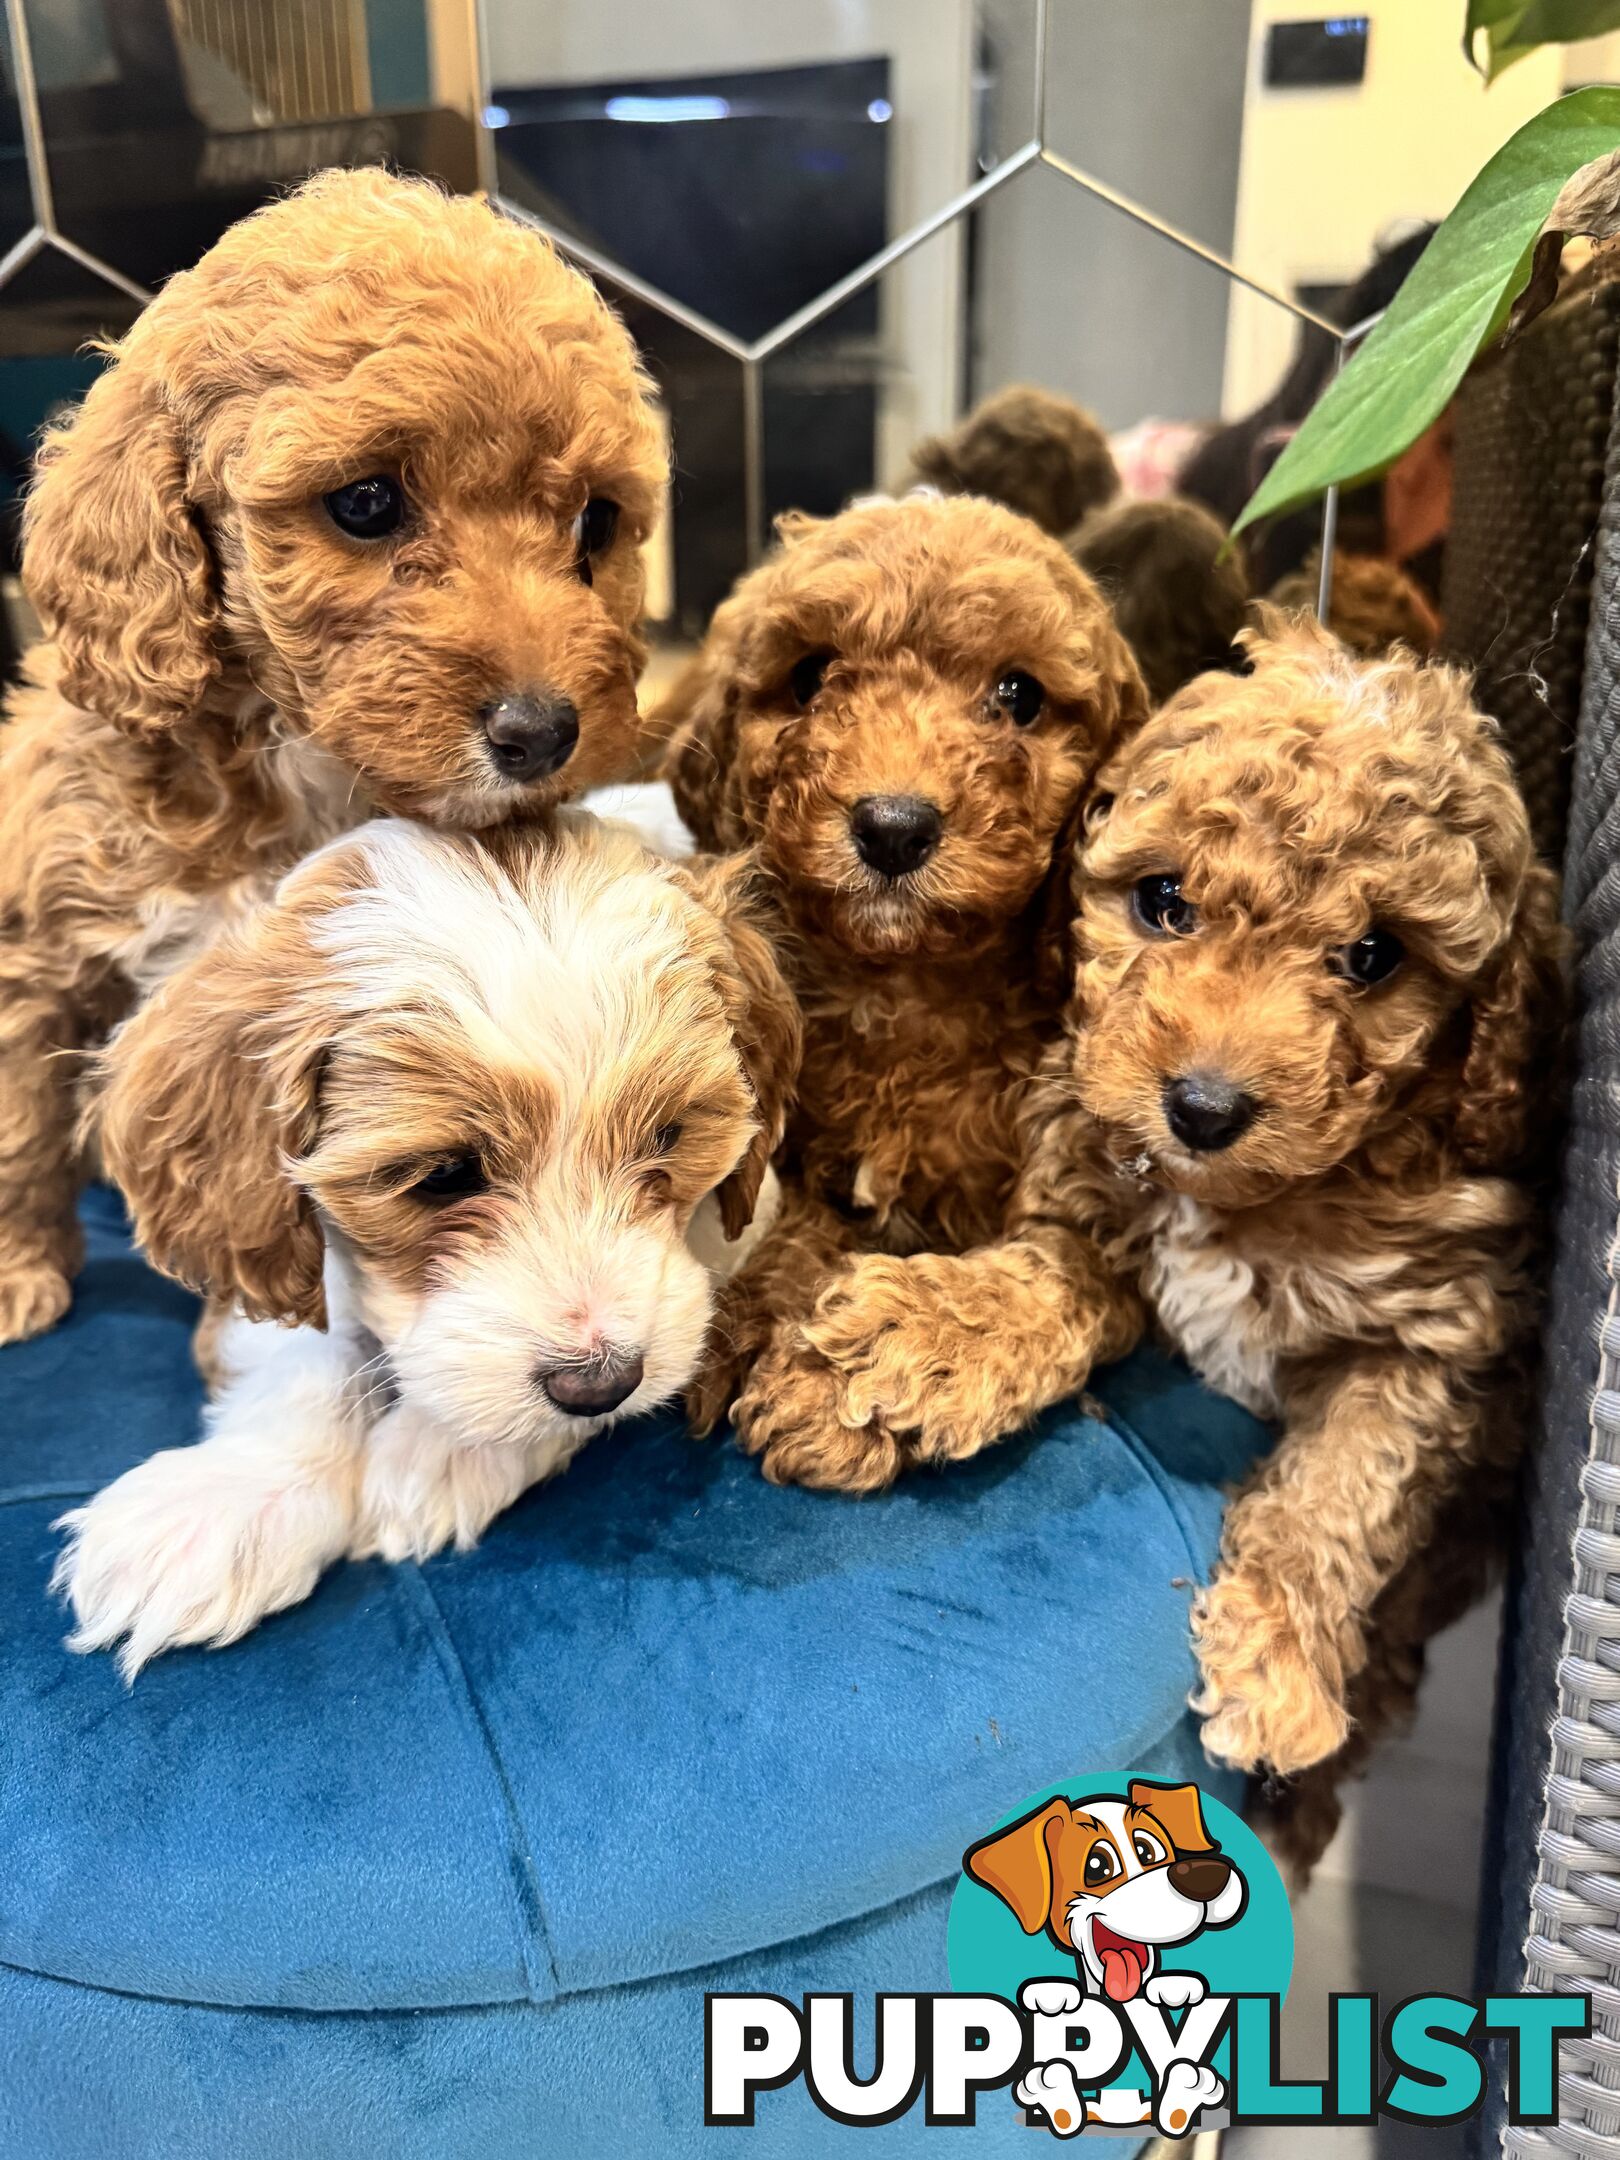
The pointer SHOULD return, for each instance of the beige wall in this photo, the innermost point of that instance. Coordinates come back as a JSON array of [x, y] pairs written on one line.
[[1325, 173]]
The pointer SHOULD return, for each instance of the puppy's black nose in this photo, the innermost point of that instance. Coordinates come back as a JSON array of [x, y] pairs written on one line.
[[1207, 1112], [593, 1389], [529, 736], [896, 834]]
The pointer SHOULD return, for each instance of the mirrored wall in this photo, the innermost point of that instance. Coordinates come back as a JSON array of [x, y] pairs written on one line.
[[832, 224]]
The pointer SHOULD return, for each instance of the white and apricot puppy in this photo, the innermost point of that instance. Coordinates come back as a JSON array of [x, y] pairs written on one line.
[[479, 1121]]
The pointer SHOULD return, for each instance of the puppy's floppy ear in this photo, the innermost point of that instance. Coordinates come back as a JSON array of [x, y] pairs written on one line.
[[1515, 1037], [1125, 702], [206, 1094], [700, 761], [1180, 1811], [114, 559], [1016, 1863], [1054, 941], [1121, 706], [763, 1015]]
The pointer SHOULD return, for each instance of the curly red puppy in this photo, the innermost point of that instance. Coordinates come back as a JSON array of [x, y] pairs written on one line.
[[901, 711], [1293, 1116], [350, 522]]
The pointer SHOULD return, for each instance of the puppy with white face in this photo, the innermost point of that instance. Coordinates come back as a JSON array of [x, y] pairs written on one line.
[[1114, 1882], [453, 1110]]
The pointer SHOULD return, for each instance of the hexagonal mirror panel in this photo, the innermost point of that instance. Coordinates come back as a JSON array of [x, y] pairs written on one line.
[[166, 120], [743, 160], [1060, 291], [16, 200], [50, 309]]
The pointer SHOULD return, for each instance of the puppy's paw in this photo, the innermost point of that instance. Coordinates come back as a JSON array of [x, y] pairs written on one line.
[[33, 1297], [1051, 1998], [914, 1346], [1175, 1990], [1264, 1699], [190, 1547], [1051, 2087], [737, 1335], [1185, 2090], [791, 1416], [712, 1390], [419, 1492]]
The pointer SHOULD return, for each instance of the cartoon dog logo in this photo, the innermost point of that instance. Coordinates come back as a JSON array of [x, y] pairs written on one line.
[[1114, 1883]]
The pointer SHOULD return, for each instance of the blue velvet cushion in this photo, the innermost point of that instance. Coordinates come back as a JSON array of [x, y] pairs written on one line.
[[665, 1726]]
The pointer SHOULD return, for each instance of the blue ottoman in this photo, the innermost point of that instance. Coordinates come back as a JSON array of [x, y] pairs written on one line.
[[442, 1862]]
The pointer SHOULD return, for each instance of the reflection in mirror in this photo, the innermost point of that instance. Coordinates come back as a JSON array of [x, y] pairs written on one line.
[[742, 160], [16, 205], [166, 120], [50, 311]]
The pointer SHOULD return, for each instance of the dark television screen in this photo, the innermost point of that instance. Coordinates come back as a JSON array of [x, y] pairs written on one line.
[[744, 196], [1315, 55]]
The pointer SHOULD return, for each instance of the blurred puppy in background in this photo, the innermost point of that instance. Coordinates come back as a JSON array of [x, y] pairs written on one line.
[[1177, 586], [451, 1110], [902, 712], [1374, 606], [1038, 453], [351, 521]]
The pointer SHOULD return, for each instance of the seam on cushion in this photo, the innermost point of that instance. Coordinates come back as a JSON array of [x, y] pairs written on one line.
[[270, 2010], [509, 2002], [1161, 1478], [18, 1494], [528, 1907]]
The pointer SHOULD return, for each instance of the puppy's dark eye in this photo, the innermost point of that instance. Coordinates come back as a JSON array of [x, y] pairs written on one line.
[[666, 1139], [1157, 904], [1100, 1867], [806, 679], [1020, 697], [458, 1177], [1147, 1848], [594, 529], [1371, 959], [367, 509]]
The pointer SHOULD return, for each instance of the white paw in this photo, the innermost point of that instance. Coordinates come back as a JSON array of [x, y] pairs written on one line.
[[190, 1547], [1175, 1990], [1051, 2088], [1051, 1998], [1185, 2089], [419, 1491]]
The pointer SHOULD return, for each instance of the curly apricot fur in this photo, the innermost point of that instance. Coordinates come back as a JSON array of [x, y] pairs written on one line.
[[927, 999], [1361, 1263]]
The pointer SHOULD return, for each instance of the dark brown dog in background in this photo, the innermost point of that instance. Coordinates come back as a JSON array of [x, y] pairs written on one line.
[[901, 712], [1176, 583], [1039, 454]]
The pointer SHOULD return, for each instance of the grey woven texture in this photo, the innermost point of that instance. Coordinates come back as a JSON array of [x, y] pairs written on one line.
[[1531, 423], [1552, 1879]]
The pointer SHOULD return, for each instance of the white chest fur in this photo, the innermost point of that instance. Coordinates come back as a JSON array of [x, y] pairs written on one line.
[[1208, 1303]]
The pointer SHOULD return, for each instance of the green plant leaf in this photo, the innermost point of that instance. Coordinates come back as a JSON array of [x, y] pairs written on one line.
[[1454, 302], [1515, 27]]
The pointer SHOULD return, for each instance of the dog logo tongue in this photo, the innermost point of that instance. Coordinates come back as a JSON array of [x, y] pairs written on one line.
[[1123, 1962]]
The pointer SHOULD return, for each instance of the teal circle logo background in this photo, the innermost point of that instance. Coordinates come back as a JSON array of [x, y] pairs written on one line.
[[989, 1954]]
